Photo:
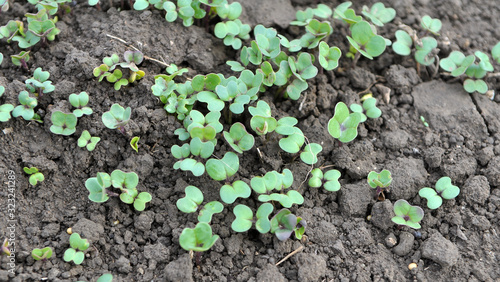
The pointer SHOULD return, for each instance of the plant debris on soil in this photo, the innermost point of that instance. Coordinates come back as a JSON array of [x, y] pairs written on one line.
[[349, 234]]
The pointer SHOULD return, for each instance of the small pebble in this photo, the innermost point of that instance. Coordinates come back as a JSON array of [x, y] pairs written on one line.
[[69, 231], [412, 266]]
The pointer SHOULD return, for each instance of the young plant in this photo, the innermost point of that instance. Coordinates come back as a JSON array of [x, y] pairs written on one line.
[[75, 253], [190, 202], [63, 124], [35, 175], [444, 190], [21, 59], [5, 247], [244, 218], [272, 180], [369, 107], [106, 277], [39, 83], [284, 223], [232, 32], [198, 239], [262, 122], [5, 110], [134, 143], [379, 14], [26, 109], [116, 117], [286, 200], [366, 41], [209, 210], [329, 180], [380, 181], [299, 70], [238, 189], [407, 214], [224, 168], [431, 25], [310, 153], [328, 56], [195, 148], [238, 138], [79, 101], [42, 254], [109, 71], [344, 125], [88, 141]]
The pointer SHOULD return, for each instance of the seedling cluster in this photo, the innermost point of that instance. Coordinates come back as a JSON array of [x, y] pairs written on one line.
[[77, 247], [108, 70], [35, 175]]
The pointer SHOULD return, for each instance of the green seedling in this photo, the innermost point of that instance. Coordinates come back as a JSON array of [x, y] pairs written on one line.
[[224, 168], [204, 127], [380, 181], [238, 138], [262, 122], [444, 190], [232, 32], [272, 180], [379, 14], [293, 142], [79, 101], [198, 239], [106, 277], [301, 70], [244, 218], [366, 41], [422, 119], [369, 107], [5, 110], [209, 210], [456, 63], [303, 17], [134, 143], [39, 83], [21, 59], [4, 5], [328, 56], [286, 200], [97, 187], [88, 141], [310, 153], [35, 175], [407, 214], [403, 43], [109, 71], [238, 189], [329, 180], [495, 52], [126, 182], [344, 125], [42, 254], [284, 223], [195, 147], [5, 247], [26, 109], [431, 25], [75, 253], [63, 124], [425, 52], [190, 202], [349, 16], [116, 117], [141, 200]]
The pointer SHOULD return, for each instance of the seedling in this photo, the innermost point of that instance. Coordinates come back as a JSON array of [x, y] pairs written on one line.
[[209, 210], [310, 153], [301, 70], [495, 52], [190, 202], [63, 124], [75, 253], [286, 200], [42, 254], [35, 175], [141, 200], [425, 52], [422, 119], [109, 71], [444, 190], [369, 107], [116, 117], [238, 138], [79, 101], [232, 32], [230, 192], [284, 223], [244, 218], [4, 5], [380, 181], [342, 125], [196, 148], [293, 142], [198, 239], [5, 247], [26, 109], [379, 14], [5, 110], [272, 180], [106, 277], [431, 25], [366, 41], [328, 56], [88, 141], [21, 59], [329, 180], [134, 143], [262, 122], [407, 214], [39, 83], [224, 168], [347, 15]]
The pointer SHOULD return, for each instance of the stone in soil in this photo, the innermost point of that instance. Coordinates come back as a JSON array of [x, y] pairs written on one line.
[[476, 189], [382, 212], [311, 266], [405, 245], [354, 199], [440, 250]]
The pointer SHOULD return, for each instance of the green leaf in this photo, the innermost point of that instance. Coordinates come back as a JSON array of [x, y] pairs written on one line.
[[434, 201], [403, 43], [424, 55], [244, 218], [263, 224], [134, 143], [431, 25], [209, 210], [190, 202], [141, 200], [239, 189], [97, 193], [62, 123], [309, 155], [198, 239], [379, 14], [332, 183], [293, 143], [224, 168], [495, 52], [446, 189]]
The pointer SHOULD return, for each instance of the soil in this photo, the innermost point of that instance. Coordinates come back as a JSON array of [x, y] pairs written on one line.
[[457, 242]]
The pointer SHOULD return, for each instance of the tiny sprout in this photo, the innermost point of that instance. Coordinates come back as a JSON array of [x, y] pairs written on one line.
[[35, 175], [5, 110], [198, 239], [310, 152], [284, 223], [444, 190], [5, 247], [63, 124], [238, 138], [272, 180], [239, 189], [423, 121], [286, 200], [369, 107], [134, 143], [79, 101], [379, 14], [424, 54], [407, 214], [75, 253], [343, 12], [106, 277], [88, 141], [342, 125], [209, 210], [329, 180], [403, 43], [328, 56], [293, 142], [224, 168], [26, 109], [21, 59], [190, 203], [431, 25], [39, 83], [141, 200], [243, 220], [456, 63], [380, 181], [366, 41], [495, 52], [116, 117], [41, 254]]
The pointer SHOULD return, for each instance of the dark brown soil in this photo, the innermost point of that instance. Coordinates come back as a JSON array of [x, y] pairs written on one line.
[[458, 242]]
